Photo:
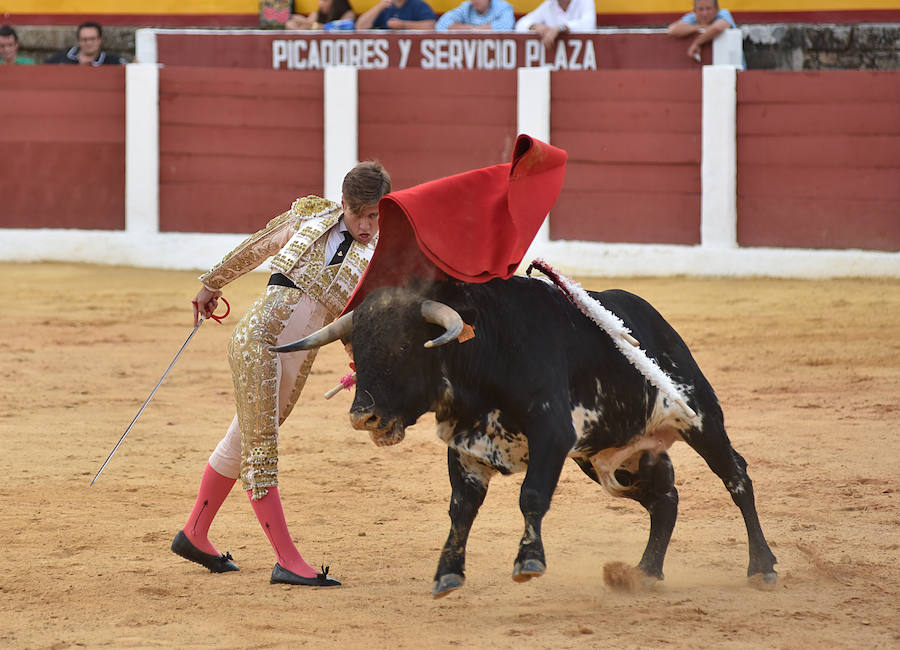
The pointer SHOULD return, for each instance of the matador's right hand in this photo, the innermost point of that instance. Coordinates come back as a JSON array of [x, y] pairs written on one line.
[[205, 303]]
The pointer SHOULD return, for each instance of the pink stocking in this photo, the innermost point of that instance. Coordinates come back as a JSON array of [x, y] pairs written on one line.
[[213, 489], [271, 517]]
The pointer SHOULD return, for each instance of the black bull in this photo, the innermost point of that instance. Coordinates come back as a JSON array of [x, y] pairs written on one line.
[[538, 383]]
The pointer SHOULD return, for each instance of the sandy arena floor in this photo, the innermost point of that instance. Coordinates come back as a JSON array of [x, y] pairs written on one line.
[[808, 374]]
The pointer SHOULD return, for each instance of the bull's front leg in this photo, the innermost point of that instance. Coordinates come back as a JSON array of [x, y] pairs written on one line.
[[469, 480], [546, 453]]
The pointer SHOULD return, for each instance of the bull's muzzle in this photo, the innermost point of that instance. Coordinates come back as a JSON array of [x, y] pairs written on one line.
[[383, 433]]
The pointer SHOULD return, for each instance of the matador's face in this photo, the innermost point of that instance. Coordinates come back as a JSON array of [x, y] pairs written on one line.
[[362, 224]]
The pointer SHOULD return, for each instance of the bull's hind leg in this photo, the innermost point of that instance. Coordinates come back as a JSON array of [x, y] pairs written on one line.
[[654, 488], [713, 445], [652, 484], [469, 480]]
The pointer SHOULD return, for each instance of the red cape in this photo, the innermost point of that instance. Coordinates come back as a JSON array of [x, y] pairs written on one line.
[[474, 226]]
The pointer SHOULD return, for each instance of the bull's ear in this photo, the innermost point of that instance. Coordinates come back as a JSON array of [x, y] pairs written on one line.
[[469, 315], [450, 294], [459, 300]]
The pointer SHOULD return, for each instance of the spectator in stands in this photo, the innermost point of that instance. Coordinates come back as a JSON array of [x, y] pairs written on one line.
[[332, 14], [555, 18], [89, 50], [704, 23], [9, 47], [398, 14], [274, 14], [496, 15]]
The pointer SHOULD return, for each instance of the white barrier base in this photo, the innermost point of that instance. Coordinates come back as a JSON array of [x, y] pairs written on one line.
[[195, 251]]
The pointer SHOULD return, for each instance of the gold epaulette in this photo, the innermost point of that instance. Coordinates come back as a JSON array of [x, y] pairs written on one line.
[[312, 206]]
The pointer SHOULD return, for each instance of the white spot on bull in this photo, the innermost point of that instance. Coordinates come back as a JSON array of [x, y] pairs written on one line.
[[667, 413], [504, 450], [474, 470], [735, 489], [584, 419]]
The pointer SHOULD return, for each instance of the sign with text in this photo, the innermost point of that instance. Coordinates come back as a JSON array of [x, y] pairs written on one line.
[[374, 50], [434, 53]]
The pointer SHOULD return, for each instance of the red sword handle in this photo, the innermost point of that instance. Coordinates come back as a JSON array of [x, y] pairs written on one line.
[[216, 317]]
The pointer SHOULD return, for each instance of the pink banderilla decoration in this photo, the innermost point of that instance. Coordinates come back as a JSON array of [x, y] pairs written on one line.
[[346, 383]]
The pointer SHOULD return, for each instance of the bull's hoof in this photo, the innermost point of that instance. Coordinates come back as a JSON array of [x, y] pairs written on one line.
[[525, 571], [763, 581], [447, 583]]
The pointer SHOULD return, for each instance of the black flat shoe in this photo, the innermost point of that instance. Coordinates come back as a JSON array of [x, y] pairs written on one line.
[[282, 576], [182, 546]]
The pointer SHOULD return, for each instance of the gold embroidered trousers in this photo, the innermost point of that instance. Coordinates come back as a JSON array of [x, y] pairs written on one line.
[[266, 384]]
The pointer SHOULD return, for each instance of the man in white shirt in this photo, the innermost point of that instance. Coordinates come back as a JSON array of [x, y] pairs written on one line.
[[554, 18]]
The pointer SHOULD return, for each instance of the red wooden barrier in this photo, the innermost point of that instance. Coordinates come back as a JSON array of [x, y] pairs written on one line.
[[819, 159], [236, 146], [818, 152], [425, 124], [62, 132], [633, 139]]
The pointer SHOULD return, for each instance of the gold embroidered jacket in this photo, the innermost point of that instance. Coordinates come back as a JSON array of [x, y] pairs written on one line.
[[297, 239]]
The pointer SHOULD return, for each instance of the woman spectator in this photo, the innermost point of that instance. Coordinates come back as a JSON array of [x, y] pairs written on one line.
[[329, 13]]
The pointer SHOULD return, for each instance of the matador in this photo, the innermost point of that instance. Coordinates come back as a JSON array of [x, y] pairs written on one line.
[[319, 251]]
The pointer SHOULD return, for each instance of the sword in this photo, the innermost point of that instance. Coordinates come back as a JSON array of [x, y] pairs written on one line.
[[218, 319]]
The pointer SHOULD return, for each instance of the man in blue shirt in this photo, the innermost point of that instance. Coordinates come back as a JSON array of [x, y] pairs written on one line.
[[398, 14], [496, 15], [704, 23]]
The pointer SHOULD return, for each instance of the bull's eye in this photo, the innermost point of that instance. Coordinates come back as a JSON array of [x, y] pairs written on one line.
[[404, 347]]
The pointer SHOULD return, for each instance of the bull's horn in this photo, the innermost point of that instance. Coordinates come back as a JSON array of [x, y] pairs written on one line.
[[445, 316], [339, 329]]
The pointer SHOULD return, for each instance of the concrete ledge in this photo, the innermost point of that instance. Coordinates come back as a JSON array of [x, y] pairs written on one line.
[[622, 260], [822, 47], [193, 251], [40, 41]]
